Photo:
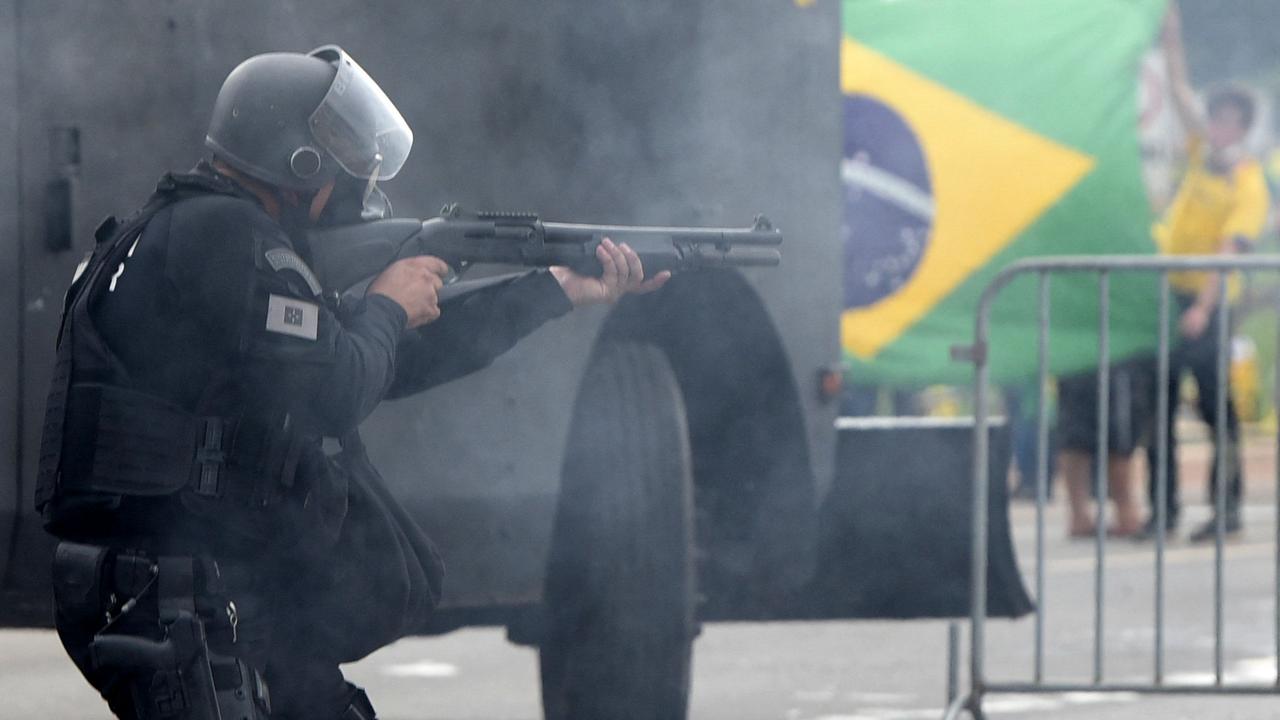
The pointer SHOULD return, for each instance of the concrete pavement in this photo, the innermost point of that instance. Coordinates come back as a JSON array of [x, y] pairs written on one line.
[[847, 670]]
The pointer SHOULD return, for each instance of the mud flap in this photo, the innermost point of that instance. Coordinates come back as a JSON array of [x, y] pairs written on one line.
[[895, 528]]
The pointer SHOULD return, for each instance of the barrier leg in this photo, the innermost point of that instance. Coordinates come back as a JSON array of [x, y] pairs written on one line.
[[953, 661], [956, 707]]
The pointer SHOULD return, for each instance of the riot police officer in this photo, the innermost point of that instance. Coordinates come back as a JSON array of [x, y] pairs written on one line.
[[220, 554]]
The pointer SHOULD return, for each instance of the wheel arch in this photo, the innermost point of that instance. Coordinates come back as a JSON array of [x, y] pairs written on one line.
[[753, 477]]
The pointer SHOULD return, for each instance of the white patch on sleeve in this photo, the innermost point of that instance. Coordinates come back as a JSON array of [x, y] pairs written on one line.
[[290, 316]]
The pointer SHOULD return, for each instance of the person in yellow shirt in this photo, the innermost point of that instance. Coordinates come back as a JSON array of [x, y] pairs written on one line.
[[1220, 208]]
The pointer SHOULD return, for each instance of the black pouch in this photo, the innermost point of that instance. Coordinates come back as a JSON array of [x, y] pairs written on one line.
[[308, 519], [77, 579]]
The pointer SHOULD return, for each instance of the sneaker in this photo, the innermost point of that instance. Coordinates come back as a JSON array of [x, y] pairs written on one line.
[[1206, 532]]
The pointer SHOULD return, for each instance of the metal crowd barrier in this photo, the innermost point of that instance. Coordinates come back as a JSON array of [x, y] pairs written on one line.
[[1103, 266]]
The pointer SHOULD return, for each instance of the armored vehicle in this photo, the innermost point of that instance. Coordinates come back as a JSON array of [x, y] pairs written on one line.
[[722, 499]]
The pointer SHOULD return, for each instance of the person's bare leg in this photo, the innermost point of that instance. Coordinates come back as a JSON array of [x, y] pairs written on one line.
[[1120, 489], [1073, 465]]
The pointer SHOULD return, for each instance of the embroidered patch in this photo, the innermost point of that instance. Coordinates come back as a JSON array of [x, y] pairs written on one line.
[[286, 259], [290, 316]]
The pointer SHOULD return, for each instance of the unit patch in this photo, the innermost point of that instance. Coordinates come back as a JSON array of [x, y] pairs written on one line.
[[290, 316], [286, 259]]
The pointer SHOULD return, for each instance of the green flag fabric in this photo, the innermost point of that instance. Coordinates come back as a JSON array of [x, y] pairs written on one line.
[[977, 133]]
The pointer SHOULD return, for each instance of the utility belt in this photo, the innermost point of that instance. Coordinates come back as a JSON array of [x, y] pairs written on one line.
[[117, 441], [161, 616]]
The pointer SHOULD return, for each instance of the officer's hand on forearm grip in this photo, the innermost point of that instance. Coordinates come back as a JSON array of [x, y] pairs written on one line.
[[622, 273], [414, 284]]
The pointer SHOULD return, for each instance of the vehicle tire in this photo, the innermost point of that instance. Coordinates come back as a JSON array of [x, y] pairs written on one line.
[[620, 589]]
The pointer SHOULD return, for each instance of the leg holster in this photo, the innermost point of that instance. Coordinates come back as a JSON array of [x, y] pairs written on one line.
[[157, 614]]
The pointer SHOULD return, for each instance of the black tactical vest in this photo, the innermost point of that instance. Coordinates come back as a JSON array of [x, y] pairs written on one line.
[[106, 443]]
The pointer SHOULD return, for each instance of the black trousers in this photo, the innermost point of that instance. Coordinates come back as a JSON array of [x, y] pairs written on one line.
[[305, 611], [1199, 356]]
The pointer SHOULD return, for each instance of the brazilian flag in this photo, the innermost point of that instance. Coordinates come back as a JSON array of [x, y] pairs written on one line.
[[979, 132]]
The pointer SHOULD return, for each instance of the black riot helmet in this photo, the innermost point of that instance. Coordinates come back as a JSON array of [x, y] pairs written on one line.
[[295, 121]]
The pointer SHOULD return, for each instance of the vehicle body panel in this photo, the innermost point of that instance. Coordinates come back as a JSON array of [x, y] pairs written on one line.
[[670, 112], [10, 281]]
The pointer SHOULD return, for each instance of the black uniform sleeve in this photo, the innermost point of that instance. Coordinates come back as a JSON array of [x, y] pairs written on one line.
[[236, 272], [475, 329]]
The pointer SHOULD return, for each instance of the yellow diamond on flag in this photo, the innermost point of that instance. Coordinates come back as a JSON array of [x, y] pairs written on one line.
[[990, 177]]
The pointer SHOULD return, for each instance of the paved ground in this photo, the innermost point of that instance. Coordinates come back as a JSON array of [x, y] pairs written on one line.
[[845, 670]]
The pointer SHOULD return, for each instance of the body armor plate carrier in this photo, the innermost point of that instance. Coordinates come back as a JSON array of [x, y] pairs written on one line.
[[102, 437]]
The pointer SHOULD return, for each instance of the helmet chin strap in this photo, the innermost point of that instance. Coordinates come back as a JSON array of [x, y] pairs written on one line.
[[320, 199]]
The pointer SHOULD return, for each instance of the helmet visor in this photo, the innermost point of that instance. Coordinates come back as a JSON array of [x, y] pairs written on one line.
[[357, 123]]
